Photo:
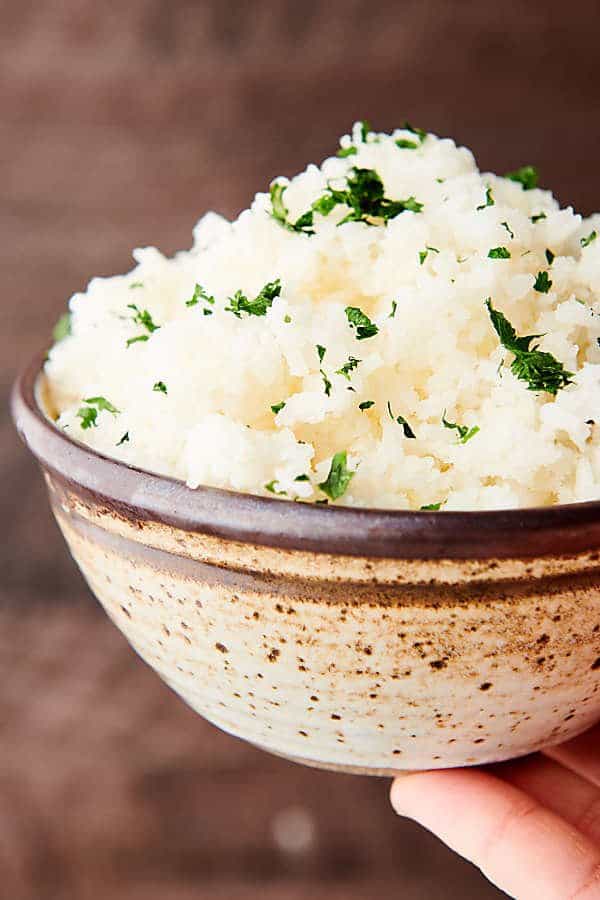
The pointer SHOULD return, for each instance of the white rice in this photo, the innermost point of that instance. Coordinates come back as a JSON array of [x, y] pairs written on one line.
[[438, 352]]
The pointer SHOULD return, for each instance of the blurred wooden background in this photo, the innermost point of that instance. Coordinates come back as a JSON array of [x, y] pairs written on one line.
[[120, 122]]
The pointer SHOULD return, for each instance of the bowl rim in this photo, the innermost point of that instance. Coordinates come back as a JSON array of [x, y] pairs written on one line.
[[142, 495]]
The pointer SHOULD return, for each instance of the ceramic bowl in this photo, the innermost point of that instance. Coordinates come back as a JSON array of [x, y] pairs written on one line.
[[359, 640]]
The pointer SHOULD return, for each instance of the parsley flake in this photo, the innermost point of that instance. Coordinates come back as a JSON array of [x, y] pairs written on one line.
[[339, 477], [343, 152], [301, 478], [89, 414], [509, 229], [408, 432], [394, 308], [348, 367], [326, 383], [277, 407], [143, 317], [432, 507], [489, 199], [141, 338], [280, 213], [361, 322], [499, 253], [271, 488], [365, 196], [136, 284], [550, 257], [366, 404], [198, 295], [586, 241], [62, 329], [464, 432], [160, 387], [541, 370], [538, 217], [263, 301], [124, 439], [526, 176], [423, 254], [321, 351], [542, 283]]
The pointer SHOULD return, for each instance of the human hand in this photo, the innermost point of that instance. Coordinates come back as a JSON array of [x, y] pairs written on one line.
[[531, 825]]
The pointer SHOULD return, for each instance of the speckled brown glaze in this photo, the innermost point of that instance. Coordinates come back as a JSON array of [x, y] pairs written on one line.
[[358, 640]]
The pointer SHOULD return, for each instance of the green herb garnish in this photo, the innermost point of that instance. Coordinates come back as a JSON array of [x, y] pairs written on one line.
[[538, 217], [432, 507], [339, 476], [277, 407], [408, 432], [62, 329], [124, 439], [550, 256], [141, 338], [394, 308], [366, 404], [326, 383], [263, 301], [541, 370], [509, 229], [542, 283], [160, 387], [343, 152], [143, 317], [198, 295], [499, 253], [89, 414], [361, 322], [348, 367], [586, 241], [489, 199], [527, 176], [271, 488], [280, 212], [365, 196], [301, 478], [464, 432], [423, 254], [321, 351], [136, 284]]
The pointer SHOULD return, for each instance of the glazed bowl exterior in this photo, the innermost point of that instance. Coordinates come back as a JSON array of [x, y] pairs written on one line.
[[359, 640]]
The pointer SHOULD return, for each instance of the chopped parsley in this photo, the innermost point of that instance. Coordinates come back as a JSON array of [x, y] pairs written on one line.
[[348, 367], [271, 488], [277, 407], [586, 241], [423, 254], [489, 199], [124, 439], [339, 477], [62, 329], [287, 319], [418, 133], [143, 317], [321, 351], [464, 432], [432, 507], [280, 213], [357, 319], [263, 301], [198, 295], [499, 253], [89, 414], [160, 387], [140, 338], [408, 432], [365, 196], [301, 478], [366, 404], [326, 383], [136, 284], [509, 229], [538, 217], [351, 150], [550, 256], [394, 308], [527, 176], [542, 283], [541, 370]]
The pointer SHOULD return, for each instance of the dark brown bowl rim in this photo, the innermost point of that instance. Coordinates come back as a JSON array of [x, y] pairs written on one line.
[[141, 495]]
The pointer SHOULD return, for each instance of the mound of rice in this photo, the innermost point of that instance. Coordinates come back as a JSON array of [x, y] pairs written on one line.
[[348, 339]]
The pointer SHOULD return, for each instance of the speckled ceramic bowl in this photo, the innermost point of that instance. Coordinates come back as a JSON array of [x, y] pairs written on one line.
[[359, 640]]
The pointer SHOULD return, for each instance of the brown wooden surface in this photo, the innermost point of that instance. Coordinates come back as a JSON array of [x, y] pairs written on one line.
[[119, 124]]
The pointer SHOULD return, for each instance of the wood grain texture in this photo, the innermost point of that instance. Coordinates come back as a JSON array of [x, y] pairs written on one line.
[[120, 123]]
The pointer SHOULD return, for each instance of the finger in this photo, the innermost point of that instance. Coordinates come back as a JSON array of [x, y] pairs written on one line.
[[525, 849], [582, 755], [558, 789]]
